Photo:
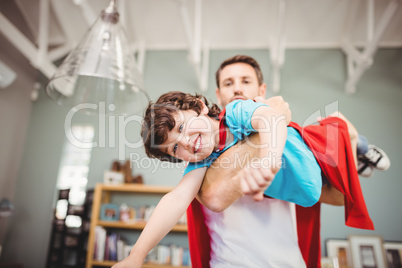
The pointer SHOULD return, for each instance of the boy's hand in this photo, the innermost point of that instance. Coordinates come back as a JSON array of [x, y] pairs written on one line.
[[254, 181], [279, 104]]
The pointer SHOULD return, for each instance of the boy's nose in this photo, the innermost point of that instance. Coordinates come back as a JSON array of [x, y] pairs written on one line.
[[186, 142]]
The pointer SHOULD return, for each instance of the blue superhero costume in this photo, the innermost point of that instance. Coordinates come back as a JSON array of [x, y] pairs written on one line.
[[299, 179]]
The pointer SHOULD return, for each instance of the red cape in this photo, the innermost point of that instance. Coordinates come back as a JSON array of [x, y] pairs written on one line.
[[330, 144]]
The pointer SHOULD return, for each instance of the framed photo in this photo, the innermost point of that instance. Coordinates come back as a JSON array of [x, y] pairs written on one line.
[[329, 262], [339, 248], [109, 212], [393, 252], [367, 251], [113, 177]]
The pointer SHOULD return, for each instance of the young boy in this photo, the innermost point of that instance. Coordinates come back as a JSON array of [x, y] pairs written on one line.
[[181, 127]]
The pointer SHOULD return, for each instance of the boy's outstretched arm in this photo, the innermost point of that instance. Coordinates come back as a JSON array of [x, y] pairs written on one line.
[[166, 214]]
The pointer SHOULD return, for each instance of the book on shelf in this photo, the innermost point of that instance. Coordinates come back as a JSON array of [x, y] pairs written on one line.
[[127, 250], [120, 249], [100, 241], [186, 257], [140, 213], [177, 255], [106, 253], [111, 247], [106, 245], [169, 255]]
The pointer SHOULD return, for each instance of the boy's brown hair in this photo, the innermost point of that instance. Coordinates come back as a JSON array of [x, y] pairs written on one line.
[[159, 120], [244, 59]]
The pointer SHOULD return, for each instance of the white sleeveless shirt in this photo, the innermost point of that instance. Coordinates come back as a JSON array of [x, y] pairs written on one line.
[[254, 234]]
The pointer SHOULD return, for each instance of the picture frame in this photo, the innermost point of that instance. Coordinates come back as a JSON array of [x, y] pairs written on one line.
[[340, 249], [367, 251], [329, 262], [110, 212], [393, 252], [113, 177]]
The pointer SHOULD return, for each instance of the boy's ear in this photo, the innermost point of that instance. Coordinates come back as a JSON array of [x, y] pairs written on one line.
[[205, 109]]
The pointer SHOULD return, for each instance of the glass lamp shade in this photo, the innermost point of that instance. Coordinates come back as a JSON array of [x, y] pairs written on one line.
[[100, 70]]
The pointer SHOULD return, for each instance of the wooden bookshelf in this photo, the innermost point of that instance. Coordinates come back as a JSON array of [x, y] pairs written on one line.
[[101, 196], [136, 225], [146, 265]]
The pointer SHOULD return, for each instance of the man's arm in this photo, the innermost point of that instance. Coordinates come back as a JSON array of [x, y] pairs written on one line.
[[221, 185], [273, 135]]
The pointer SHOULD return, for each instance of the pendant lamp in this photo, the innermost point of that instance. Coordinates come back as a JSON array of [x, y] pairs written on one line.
[[101, 70]]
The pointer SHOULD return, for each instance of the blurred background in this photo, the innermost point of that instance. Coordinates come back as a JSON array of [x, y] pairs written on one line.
[[320, 55]]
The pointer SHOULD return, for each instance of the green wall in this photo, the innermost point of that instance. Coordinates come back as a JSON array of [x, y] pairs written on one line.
[[310, 81]]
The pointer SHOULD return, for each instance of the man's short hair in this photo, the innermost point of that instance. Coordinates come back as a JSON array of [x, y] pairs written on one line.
[[244, 59]]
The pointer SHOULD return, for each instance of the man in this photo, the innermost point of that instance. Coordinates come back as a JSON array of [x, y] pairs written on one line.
[[236, 236]]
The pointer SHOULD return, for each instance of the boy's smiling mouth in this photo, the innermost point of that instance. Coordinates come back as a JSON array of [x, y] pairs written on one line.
[[197, 144]]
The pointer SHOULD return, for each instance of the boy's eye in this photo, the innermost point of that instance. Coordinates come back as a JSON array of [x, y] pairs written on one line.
[[181, 127], [174, 149]]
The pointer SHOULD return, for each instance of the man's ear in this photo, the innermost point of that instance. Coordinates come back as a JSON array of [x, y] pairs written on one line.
[[262, 90], [218, 96], [205, 109]]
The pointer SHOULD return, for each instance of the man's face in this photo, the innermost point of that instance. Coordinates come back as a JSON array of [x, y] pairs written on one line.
[[238, 81]]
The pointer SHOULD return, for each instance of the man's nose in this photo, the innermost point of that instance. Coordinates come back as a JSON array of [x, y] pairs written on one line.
[[238, 90]]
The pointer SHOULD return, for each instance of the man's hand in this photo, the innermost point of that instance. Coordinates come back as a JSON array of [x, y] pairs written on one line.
[[278, 104], [221, 185], [254, 181]]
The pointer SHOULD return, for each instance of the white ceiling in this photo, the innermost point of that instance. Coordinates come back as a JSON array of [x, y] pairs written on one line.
[[222, 24]]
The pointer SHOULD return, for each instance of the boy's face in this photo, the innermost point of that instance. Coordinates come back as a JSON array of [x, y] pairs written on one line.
[[238, 81], [193, 138]]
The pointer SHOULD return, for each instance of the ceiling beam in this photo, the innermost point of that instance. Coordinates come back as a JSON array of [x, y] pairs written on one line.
[[26, 47], [358, 62], [88, 12], [278, 44], [43, 35], [198, 51]]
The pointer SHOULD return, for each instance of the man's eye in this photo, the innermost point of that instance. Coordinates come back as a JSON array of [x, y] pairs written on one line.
[[181, 127], [226, 84], [246, 82], [174, 149]]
